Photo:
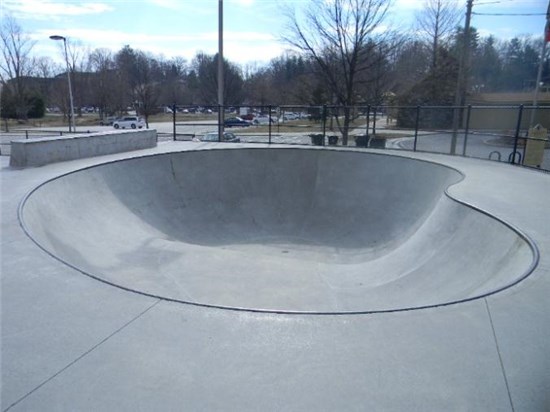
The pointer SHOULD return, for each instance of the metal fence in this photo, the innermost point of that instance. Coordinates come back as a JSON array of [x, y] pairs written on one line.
[[513, 134], [498, 133]]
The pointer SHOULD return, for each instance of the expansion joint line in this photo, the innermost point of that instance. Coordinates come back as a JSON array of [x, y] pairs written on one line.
[[86, 353], [499, 355]]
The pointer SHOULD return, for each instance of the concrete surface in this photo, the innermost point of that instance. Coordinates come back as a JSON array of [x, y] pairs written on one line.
[[45, 150], [277, 229], [70, 342]]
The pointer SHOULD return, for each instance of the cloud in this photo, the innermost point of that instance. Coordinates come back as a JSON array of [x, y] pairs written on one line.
[[167, 4], [244, 3], [108, 36], [407, 5], [259, 46], [48, 9]]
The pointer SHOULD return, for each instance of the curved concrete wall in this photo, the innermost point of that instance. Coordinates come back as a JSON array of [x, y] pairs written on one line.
[[277, 229]]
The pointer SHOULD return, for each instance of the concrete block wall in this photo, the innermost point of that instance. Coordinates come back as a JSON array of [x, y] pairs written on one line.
[[42, 151]]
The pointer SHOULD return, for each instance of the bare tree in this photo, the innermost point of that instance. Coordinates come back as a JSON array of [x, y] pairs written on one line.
[[16, 64], [104, 81], [340, 36], [44, 70], [45, 67], [409, 65], [171, 82], [145, 90], [205, 68], [436, 24], [80, 65]]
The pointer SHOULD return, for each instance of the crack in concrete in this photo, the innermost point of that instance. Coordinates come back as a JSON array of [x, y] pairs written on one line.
[[499, 355], [59, 372]]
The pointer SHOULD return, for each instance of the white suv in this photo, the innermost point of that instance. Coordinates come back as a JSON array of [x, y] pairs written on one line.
[[129, 121]]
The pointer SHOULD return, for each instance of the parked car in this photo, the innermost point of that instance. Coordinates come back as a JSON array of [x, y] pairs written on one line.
[[263, 120], [236, 122], [129, 122], [291, 116], [213, 137], [108, 121]]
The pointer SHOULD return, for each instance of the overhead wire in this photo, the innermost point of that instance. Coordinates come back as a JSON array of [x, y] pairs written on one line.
[[508, 14]]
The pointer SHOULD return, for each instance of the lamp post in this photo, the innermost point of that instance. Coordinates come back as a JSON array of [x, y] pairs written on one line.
[[220, 71], [72, 126]]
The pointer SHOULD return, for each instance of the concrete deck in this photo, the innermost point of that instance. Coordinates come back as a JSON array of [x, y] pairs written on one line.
[[70, 342]]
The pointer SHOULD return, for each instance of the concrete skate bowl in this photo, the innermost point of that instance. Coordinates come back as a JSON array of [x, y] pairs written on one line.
[[278, 230]]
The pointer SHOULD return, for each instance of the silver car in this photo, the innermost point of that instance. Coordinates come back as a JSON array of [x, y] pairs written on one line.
[[132, 122]]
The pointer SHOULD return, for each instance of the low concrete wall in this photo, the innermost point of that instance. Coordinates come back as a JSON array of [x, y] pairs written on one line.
[[41, 151]]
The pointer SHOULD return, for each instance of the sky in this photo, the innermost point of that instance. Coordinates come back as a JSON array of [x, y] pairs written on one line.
[[252, 28]]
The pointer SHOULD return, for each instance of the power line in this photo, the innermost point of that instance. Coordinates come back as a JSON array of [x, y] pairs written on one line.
[[493, 2], [532, 2], [509, 14]]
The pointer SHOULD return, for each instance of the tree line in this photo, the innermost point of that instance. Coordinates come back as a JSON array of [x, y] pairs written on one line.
[[339, 56]]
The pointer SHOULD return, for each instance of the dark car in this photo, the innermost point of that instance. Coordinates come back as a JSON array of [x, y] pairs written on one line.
[[213, 137], [236, 122]]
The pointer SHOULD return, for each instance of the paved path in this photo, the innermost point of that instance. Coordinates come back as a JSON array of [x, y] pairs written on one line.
[[479, 145]]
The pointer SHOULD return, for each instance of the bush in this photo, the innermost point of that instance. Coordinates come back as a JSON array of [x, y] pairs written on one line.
[[34, 107], [7, 109], [37, 108]]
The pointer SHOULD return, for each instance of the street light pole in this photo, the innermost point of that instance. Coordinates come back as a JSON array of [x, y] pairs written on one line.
[[72, 127], [220, 71]]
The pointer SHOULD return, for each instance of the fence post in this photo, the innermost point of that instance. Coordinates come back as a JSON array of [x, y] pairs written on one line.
[[26, 134], [374, 121], [466, 131], [518, 127], [416, 124], [220, 122], [174, 121], [324, 121], [269, 120], [368, 124]]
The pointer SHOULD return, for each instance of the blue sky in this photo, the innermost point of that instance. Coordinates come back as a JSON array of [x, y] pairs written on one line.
[[183, 27]]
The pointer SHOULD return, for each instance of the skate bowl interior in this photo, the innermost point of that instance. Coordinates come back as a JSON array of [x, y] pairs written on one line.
[[282, 230]]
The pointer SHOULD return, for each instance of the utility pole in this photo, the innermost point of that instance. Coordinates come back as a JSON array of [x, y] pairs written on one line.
[[463, 69], [541, 62]]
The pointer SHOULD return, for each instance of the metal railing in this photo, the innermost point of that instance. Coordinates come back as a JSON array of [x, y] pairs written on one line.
[[24, 134]]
